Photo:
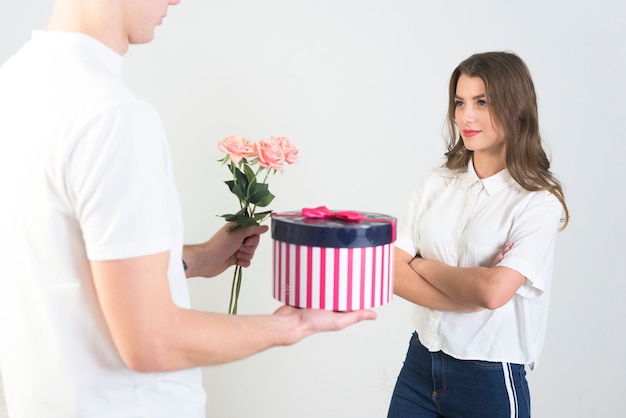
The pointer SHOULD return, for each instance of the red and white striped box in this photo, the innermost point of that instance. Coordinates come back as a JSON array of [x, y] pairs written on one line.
[[338, 261]]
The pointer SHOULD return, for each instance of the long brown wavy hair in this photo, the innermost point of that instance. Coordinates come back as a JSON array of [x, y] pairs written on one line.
[[513, 104]]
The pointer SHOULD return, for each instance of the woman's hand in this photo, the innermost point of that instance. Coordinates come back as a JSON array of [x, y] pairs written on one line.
[[501, 254]]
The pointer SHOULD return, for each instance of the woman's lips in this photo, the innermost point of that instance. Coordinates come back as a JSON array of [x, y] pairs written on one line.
[[470, 132]]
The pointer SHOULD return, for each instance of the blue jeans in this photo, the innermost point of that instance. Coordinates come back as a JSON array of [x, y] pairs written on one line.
[[438, 385]]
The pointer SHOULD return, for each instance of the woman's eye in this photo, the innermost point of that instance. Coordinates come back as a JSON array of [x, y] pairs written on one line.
[[482, 103], [458, 103]]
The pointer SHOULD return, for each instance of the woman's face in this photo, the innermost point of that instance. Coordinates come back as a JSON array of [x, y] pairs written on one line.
[[479, 131]]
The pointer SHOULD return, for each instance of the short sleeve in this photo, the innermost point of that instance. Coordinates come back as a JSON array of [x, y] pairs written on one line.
[[533, 235], [406, 240], [117, 180], [427, 187]]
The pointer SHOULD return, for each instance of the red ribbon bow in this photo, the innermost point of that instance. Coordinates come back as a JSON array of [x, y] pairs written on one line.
[[322, 212]]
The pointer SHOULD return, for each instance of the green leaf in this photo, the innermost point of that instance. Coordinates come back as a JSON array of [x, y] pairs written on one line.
[[237, 189], [249, 173], [241, 218], [244, 212], [239, 176], [251, 194], [267, 199], [233, 217], [229, 217], [257, 192], [261, 216], [245, 221]]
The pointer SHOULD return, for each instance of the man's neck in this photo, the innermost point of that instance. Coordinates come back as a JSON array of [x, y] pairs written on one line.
[[98, 19]]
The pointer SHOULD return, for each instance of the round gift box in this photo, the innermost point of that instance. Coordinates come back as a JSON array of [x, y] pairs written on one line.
[[333, 263]]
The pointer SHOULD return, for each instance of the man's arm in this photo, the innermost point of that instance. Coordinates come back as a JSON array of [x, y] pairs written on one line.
[[151, 333], [223, 250]]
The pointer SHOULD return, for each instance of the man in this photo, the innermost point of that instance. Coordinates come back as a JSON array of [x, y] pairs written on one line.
[[3, 405], [94, 310]]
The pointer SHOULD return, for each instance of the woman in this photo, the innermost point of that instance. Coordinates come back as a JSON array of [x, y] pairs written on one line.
[[476, 252]]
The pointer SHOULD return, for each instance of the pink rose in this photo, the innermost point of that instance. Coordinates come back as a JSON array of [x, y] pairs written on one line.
[[289, 150], [237, 147], [270, 154]]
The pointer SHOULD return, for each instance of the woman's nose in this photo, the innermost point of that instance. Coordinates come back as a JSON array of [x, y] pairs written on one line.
[[468, 114]]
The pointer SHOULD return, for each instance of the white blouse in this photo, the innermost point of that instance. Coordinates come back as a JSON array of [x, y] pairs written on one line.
[[459, 219]]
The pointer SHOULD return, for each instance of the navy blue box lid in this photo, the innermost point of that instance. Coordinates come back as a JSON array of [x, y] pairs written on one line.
[[372, 229]]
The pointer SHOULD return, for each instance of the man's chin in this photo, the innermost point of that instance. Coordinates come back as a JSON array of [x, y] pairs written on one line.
[[139, 40]]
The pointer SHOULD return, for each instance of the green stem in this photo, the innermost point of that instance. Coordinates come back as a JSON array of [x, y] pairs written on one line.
[[232, 293], [239, 280], [258, 171], [234, 290]]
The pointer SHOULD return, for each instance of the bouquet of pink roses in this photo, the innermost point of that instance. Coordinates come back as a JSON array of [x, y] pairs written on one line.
[[241, 155]]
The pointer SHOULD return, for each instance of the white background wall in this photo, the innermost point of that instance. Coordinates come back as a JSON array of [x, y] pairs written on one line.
[[360, 87]]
